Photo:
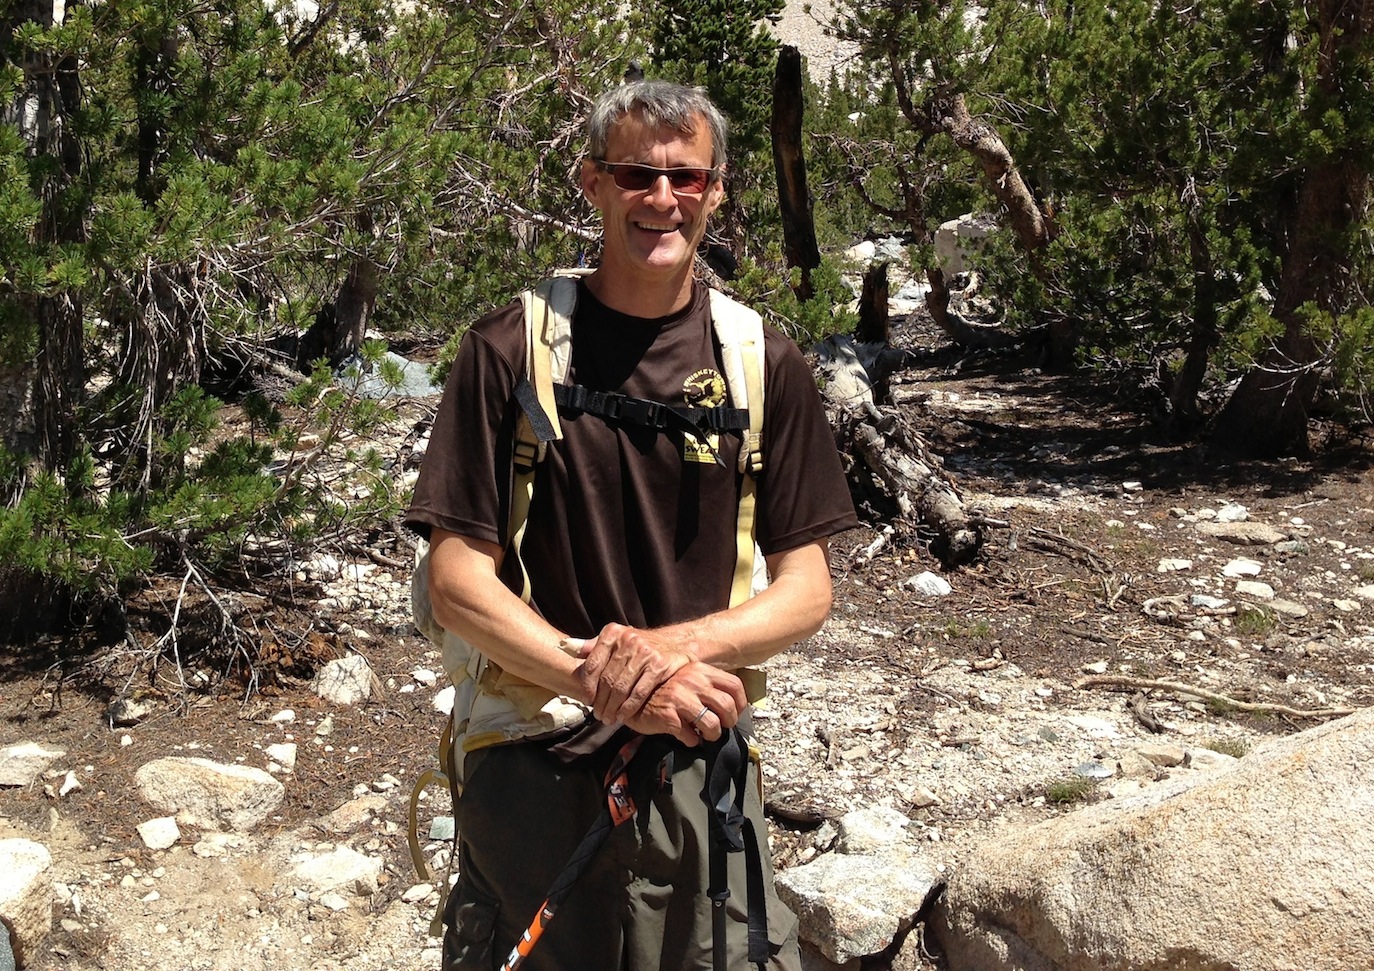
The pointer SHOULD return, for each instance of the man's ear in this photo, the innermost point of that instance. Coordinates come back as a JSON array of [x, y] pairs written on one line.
[[715, 194], [590, 183]]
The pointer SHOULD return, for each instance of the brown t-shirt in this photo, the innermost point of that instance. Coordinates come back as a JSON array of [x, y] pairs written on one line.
[[628, 524]]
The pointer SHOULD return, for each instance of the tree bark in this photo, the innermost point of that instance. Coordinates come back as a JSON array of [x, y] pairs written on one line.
[[873, 322], [794, 199], [43, 113], [949, 113], [1204, 335], [1267, 414], [353, 309]]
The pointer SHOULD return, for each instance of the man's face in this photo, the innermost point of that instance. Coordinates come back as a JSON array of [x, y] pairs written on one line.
[[655, 232]]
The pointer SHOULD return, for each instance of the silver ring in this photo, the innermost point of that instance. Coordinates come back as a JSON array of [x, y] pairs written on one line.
[[701, 714]]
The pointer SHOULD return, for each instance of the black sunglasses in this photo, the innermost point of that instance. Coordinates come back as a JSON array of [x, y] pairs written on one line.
[[633, 177]]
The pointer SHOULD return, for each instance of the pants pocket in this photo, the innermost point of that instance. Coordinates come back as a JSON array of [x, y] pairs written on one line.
[[469, 929]]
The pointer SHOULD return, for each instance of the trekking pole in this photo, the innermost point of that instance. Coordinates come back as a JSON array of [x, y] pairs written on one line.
[[620, 807], [727, 771]]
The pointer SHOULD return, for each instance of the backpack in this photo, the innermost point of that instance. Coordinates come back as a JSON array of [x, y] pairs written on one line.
[[490, 706]]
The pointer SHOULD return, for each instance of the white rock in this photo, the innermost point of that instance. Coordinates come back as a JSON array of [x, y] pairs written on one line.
[[1162, 754], [70, 784], [1288, 608], [1171, 565], [921, 798], [1205, 758], [1094, 726], [874, 830], [159, 833], [129, 711], [443, 701], [345, 681], [1257, 854], [1241, 568], [324, 567], [1095, 667], [1232, 512], [284, 754], [207, 794], [1243, 533], [1365, 592], [861, 252], [958, 241], [1254, 588], [26, 896], [425, 677], [417, 893], [284, 717], [928, 584], [853, 906], [24, 762], [341, 867], [355, 813], [333, 901], [219, 844]]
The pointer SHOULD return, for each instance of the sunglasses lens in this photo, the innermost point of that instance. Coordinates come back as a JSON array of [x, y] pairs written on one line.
[[641, 178], [633, 178], [688, 180]]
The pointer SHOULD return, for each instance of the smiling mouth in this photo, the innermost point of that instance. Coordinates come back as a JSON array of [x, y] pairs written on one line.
[[657, 227]]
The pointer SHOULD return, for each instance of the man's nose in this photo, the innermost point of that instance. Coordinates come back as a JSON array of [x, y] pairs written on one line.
[[661, 193]]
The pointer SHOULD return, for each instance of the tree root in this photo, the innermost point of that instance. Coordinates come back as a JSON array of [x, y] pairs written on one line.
[[1122, 681]]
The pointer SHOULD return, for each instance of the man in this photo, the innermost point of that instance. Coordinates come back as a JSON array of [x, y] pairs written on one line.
[[630, 546]]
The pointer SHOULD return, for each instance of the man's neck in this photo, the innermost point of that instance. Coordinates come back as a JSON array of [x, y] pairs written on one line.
[[636, 298]]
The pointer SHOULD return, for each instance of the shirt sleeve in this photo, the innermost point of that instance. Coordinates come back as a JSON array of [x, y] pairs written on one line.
[[465, 478], [803, 494]]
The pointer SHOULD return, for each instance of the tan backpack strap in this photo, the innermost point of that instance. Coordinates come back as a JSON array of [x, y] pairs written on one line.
[[739, 331], [548, 339], [751, 464], [548, 335]]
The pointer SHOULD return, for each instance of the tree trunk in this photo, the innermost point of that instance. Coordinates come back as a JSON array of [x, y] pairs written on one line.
[[794, 199], [1266, 416], [353, 309], [1204, 335], [873, 322], [948, 113], [43, 113]]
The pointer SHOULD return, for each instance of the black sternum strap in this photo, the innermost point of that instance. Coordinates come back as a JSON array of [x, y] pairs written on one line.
[[617, 407]]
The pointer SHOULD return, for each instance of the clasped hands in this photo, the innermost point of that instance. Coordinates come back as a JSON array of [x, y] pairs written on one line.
[[652, 681]]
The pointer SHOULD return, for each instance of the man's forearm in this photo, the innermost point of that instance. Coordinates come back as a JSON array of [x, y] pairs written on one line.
[[470, 600], [792, 608]]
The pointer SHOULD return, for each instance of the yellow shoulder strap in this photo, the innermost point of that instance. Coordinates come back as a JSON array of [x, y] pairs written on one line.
[[548, 339], [739, 331]]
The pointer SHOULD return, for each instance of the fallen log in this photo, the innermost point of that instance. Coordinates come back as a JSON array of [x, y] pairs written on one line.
[[910, 474]]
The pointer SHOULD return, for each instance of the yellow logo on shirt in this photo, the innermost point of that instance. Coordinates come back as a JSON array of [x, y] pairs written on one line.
[[702, 389]]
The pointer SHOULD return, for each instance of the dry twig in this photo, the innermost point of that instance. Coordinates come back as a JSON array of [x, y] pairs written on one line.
[[1122, 681]]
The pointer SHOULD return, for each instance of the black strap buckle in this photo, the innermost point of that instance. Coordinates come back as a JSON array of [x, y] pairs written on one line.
[[639, 411]]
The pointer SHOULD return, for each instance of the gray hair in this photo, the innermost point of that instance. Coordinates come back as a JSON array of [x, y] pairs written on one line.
[[659, 104]]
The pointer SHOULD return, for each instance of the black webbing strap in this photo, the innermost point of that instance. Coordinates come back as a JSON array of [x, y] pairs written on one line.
[[650, 414], [727, 776], [528, 400]]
